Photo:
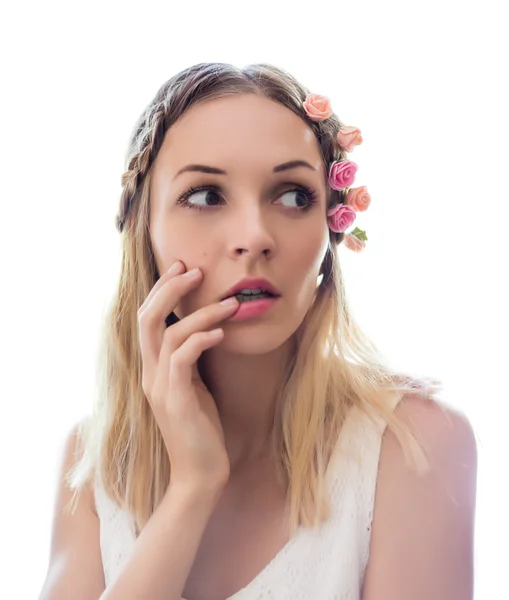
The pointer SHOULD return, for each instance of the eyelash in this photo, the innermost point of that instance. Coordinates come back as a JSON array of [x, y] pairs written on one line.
[[310, 193]]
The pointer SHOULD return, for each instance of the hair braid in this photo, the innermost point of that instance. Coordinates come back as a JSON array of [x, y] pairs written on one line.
[[149, 137]]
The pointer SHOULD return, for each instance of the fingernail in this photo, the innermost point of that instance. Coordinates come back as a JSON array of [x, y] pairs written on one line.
[[229, 301], [192, 272], [174, 269]]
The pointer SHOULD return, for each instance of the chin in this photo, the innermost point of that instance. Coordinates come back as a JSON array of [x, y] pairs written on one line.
[[255, 338]]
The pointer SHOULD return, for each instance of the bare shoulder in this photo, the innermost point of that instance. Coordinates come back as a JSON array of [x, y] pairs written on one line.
[[75, 564], [423, 525], [434, 423]]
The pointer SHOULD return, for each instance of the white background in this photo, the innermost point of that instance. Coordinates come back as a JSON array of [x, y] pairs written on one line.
[[427, 85]]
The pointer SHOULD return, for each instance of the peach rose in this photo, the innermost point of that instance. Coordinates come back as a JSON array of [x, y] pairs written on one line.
[[354, 243], [317, 107], [348, 137], [342, 174], [358, 198], [340, 217]]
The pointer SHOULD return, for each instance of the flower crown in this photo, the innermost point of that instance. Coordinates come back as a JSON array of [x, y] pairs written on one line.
[[341, 176]]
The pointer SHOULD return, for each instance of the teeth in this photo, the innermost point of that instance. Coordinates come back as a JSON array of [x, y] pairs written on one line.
[[250, 297], [251, 293]]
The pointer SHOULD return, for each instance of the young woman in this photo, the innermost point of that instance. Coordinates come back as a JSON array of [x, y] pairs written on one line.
[[248, 440]]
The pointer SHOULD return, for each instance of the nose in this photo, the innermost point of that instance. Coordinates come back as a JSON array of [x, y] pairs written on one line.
[[250, 231]]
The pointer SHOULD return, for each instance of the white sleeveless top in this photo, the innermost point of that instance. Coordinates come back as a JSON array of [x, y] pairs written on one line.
[[325, 563]]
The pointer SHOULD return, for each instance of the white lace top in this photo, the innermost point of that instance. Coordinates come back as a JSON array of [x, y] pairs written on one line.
[[327, 563]]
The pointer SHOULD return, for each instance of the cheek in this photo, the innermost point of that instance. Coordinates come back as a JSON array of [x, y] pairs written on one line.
[[163, 247], [169, 245], [309, 251], [304, 268]]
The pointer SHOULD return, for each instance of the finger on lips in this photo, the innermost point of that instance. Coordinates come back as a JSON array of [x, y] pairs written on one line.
[[201, 320], [176, 282]]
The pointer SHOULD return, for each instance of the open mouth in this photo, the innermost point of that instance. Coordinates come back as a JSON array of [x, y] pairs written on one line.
[[251, 297]]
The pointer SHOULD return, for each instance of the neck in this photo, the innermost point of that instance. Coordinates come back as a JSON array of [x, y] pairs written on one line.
[[245, 389]]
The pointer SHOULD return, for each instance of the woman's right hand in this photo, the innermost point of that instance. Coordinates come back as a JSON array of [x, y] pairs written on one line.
[[184, 409]]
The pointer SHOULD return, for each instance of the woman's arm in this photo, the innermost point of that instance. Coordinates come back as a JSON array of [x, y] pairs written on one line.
[[162, 556], [75, 568], [422, 543], [166, 548]]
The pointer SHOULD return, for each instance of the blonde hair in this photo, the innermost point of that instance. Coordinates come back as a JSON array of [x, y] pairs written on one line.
[[334, 366]]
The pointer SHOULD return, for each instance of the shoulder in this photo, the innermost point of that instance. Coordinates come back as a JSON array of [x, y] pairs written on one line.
[[438, 427], [422, 533]]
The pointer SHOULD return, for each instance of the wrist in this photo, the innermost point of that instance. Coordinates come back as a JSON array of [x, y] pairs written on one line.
[[196, 493]]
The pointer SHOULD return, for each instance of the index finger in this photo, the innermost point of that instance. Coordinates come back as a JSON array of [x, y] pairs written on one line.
[[175, 269]]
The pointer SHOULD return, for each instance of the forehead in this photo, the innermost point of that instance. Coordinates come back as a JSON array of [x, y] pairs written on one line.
[[238, 131]]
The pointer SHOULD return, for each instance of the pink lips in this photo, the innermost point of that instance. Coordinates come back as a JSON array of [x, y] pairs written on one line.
[[252, 283], [253, 308]]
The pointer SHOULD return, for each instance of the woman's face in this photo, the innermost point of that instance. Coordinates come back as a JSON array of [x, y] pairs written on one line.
[[252, 222]]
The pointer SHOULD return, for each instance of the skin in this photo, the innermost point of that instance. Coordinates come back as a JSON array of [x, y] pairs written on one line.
[[251, 227]]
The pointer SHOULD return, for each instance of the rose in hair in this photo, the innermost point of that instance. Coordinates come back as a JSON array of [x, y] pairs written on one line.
[[317, 107], [358, 198], [348, 137], [342, 174], [354, 243], [340, 217]]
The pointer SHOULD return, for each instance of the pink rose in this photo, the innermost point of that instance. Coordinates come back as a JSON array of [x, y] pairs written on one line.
[[340, 217], [348, 137], [342, 174], [354, 243], [358, 198], [317, 107]]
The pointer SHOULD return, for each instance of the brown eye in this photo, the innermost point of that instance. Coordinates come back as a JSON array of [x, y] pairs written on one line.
[[306, 197], [204, 194]]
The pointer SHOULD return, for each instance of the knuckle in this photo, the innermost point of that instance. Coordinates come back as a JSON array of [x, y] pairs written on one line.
[[145, 306], [143, 316]]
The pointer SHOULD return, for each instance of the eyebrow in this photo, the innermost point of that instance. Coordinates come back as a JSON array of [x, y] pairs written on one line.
[[292, 164]]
